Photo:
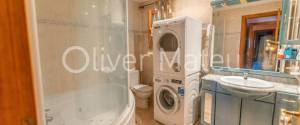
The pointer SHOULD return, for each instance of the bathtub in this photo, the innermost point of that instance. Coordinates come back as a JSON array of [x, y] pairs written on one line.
[[107, 104], [128, 116]]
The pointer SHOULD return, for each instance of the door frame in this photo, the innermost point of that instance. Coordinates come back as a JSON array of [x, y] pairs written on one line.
[[32, 25], [244, 31]]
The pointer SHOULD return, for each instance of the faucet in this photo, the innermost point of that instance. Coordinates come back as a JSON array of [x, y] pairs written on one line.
[[48, 118], [245, 74]]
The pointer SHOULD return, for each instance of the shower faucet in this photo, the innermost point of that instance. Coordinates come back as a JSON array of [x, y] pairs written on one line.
[[245, 75], [48, 118]]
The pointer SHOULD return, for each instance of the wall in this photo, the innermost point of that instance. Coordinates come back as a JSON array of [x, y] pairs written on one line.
[[138, 40], [134, 26], [228, 28], [198, 9]]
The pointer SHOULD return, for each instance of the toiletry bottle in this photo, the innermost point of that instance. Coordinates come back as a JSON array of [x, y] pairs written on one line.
[[288, 52], [280, 54], [294, 53]]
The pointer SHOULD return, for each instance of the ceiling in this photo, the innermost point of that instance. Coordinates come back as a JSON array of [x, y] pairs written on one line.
[[221, 3], [143, 1]]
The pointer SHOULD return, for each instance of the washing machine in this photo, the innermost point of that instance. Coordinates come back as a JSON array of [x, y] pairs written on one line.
[[176, 99], [177, 46]]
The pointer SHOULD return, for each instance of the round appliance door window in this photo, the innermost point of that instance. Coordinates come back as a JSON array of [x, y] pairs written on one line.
[[167, 100], [168, 42]]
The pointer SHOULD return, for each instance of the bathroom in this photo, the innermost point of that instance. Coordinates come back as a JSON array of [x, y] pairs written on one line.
[[150, 62]]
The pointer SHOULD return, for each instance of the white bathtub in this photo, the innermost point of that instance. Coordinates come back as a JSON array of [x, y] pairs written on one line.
[[128, 115], [101, 105]]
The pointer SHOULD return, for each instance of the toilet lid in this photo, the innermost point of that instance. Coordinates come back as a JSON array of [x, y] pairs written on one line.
[[143, 88]]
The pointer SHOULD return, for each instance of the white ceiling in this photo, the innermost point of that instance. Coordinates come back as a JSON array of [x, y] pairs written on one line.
[[142, 1]]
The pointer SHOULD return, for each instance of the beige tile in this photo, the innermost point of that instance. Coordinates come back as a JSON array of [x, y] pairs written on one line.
[[198, 9], [134, 16], [54, 9], [145, 116]]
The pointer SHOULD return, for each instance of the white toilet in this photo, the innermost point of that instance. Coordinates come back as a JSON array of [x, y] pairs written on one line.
[[141, 92]]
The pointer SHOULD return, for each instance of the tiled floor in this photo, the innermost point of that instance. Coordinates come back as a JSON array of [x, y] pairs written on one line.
[[145, 117]]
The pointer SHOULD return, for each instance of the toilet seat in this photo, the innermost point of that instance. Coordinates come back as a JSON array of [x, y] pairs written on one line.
[[142, 94], [142, 88]]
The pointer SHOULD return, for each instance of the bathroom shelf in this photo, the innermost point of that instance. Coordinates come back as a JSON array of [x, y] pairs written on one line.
[[290, 42], [289, 60], [295, 73]]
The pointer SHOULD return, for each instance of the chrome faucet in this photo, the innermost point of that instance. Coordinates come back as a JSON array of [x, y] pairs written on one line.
[[245, 74], [48, 118]]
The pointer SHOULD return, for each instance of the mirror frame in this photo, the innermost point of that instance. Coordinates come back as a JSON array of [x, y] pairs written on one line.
[[251, 71]]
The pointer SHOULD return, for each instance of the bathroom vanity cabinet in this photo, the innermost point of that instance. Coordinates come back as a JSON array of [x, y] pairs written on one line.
[[255, 112], [228, 110], [221, 107]]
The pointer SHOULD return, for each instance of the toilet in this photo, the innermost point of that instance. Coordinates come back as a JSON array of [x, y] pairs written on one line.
[[141, 92]]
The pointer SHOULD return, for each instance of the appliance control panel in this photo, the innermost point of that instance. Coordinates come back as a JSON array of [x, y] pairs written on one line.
[[176, 81], [168, 80]]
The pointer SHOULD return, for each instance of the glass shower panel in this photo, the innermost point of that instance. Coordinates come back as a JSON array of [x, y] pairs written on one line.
[[82, 44]]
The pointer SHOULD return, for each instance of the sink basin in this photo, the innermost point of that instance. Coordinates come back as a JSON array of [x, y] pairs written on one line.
[[251, 83]]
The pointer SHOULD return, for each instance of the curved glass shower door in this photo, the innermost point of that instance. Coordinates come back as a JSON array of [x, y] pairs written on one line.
[[82, 45]]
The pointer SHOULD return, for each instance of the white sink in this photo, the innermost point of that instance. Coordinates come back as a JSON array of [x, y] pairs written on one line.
[[252, 83]]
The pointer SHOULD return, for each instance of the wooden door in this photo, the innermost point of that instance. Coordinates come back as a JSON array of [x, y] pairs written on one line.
[[17, 105]]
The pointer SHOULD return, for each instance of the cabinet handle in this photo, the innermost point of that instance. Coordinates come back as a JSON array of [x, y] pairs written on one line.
[[292, 113], [288, 101]]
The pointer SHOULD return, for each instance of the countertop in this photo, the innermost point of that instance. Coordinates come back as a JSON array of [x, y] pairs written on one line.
[[279, 87]]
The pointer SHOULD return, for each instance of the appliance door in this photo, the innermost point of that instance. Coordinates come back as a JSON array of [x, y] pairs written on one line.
[[167, 99], [167, 52]]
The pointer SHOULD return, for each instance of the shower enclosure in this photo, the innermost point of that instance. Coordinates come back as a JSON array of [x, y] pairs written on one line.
[[81, 46]]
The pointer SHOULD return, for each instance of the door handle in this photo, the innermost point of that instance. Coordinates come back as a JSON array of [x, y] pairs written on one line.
[[292, 113]]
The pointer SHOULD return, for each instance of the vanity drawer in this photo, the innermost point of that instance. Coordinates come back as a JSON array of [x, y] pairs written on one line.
[[209, 85]]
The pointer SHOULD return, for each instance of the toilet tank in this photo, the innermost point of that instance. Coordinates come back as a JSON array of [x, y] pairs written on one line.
[[134, 78]]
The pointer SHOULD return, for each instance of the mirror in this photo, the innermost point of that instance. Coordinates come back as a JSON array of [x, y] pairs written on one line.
[[246, 34]]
